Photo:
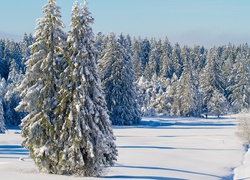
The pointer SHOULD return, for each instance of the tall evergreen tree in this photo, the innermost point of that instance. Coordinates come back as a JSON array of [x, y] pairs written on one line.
[[26, 42], [4, 68], [174, 96], [152, 67], [198, 59], [11, 101], [145, 53], [40, 90], [211, 79], [86, 143], [2, 124], [188, 91], [137, 58], [166, 66], [176, 60], [2, 92], [100, 44], [240, 84], [118, 78]]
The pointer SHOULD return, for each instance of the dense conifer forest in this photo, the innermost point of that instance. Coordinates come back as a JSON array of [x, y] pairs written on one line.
[[169, 79]]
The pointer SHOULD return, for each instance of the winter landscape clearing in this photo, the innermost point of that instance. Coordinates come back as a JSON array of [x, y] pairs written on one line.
[[158, 148]]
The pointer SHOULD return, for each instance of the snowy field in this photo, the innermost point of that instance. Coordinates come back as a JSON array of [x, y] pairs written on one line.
[[159, 148]]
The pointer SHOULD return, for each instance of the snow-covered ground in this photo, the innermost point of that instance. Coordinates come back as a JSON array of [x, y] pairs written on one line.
[[160, 148]]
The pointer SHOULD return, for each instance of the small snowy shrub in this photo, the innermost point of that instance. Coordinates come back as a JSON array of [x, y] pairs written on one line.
[[243, 128]]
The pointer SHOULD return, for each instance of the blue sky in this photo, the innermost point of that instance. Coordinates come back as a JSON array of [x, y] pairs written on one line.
[[189, 22]]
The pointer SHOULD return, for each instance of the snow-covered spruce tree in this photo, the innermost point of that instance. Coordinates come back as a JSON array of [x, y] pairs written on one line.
[[166, 65], [118, 79], [83, 136], [152, 66], [174, 96], [218, 104], [4, 68], [12, 96], [40, 90], [145, 53], [26, 42], [155, 98], [137, 59], [4, 64], [176, 60], [12, 99], [240, 84], [198, 55], [2, 92], [2, 124], [211, 79], [143, 88], [188, 91], [100, 44]]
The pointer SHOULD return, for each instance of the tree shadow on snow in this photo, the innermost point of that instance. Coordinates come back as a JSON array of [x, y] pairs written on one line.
[[17, 128], [158, 122], [141, 177], [13, 150], [170, 148], [158, 168], [164, 124]]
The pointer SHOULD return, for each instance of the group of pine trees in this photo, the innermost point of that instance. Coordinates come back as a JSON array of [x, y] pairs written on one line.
[[67, 88]]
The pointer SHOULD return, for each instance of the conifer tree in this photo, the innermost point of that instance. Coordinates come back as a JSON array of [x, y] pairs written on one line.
[[2, 92], [166, 65], [211, 79], [174, 95], [118, 79], [137, 58], [26, 42], [100, 44], [240, 84], [198, 59], [4, 64], [143, 86], [12, 96], [176, 60], [2, 124], [145, 53], [86, 140], [39, 90], [152, 66], [188, 91], [12, 99], [218, 104]]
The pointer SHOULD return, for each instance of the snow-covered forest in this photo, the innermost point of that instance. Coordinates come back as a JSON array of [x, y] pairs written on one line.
[[214, 81], [65, 90]]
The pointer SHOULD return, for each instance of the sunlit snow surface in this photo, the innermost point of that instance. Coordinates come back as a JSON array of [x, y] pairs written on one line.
[[159, 148]]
